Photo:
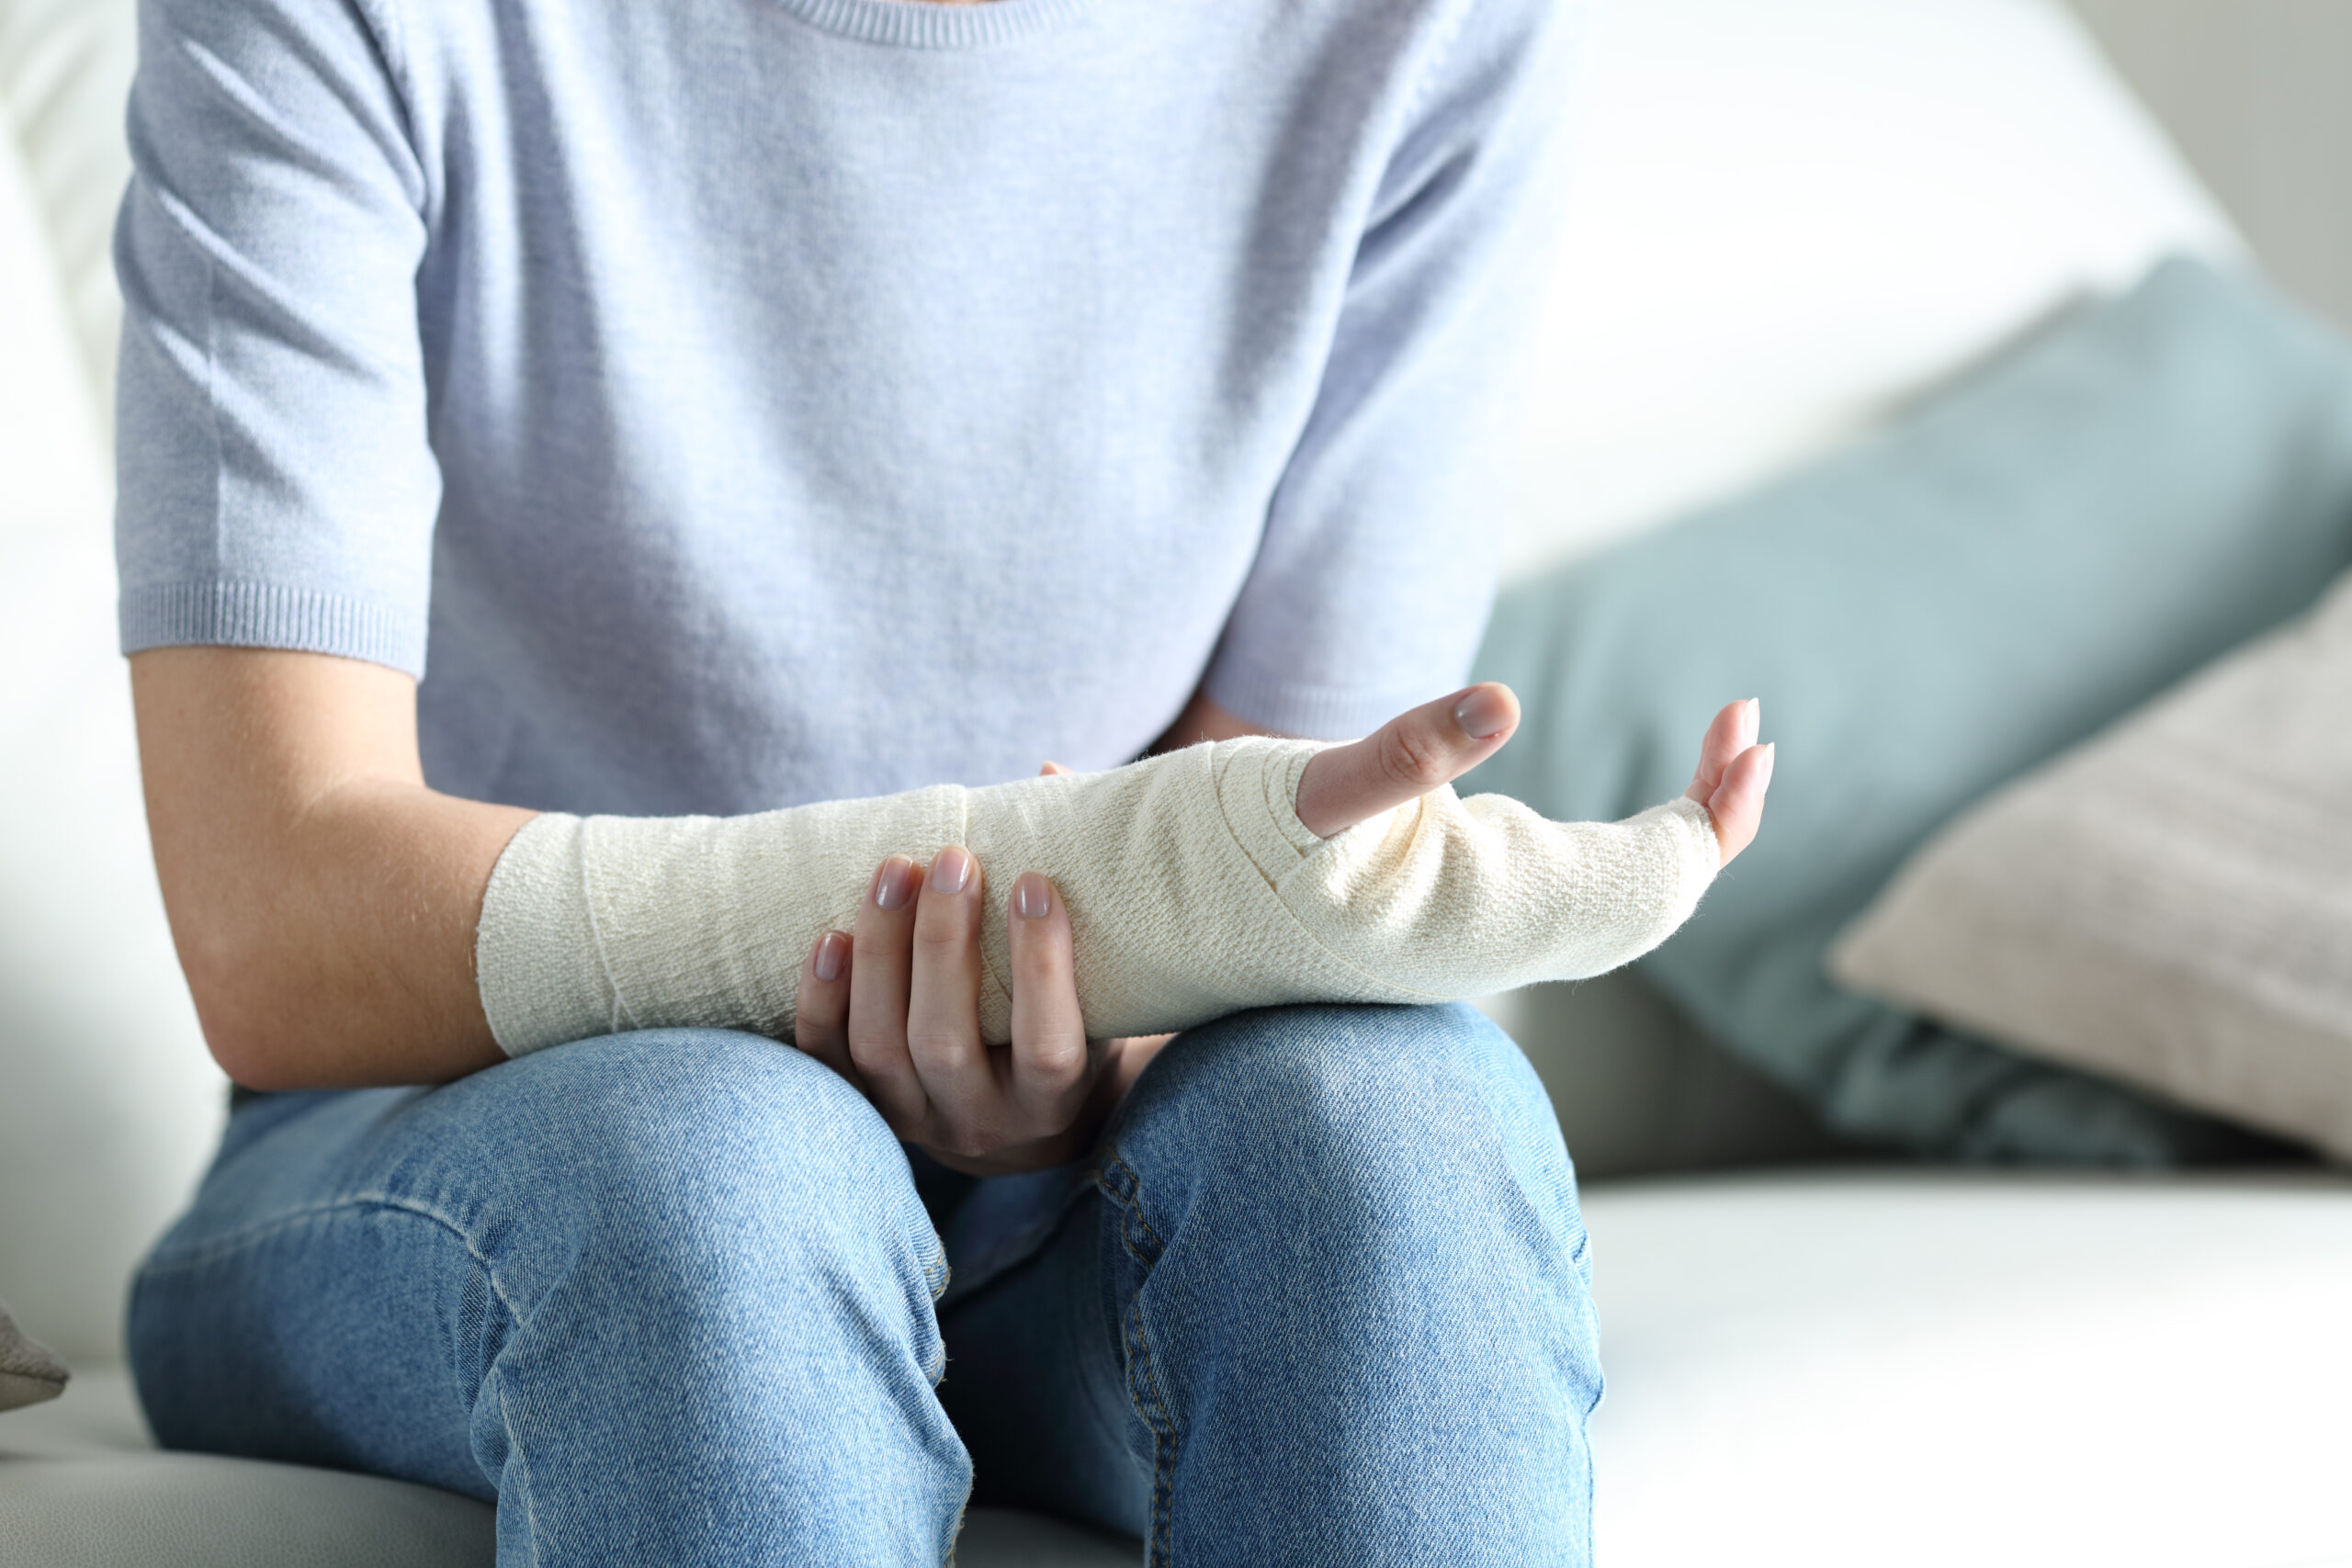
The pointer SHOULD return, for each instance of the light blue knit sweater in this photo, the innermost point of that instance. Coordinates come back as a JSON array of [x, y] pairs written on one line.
[[754, 401]]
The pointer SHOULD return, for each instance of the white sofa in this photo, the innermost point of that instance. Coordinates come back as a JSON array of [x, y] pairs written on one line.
[[1792, 215]]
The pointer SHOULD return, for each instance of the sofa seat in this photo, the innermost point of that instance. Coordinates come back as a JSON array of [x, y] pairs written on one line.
[[1907, 1368], [1852, 1367]]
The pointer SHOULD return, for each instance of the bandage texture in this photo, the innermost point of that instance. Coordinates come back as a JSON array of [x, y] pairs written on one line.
[[1193, 888]]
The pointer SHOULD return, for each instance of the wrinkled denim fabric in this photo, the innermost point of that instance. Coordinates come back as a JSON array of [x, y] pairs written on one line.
[[1319, 1297]]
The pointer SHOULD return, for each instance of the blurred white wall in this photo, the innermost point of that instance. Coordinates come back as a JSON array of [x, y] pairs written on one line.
[[2258, 94]]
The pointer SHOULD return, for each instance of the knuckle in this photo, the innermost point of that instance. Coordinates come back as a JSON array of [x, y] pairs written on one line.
[[935, 1040], [939, 931], [1042, 960], [1411, 758], [872, 1050], [875, 943], [1058, 1053], [1056, 1068]]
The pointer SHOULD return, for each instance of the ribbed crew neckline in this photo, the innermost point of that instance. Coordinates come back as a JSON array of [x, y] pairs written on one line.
[[939, 24]]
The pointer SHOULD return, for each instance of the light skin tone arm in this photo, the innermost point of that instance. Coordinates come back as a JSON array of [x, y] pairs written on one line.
[[325, 900], [322, 897]]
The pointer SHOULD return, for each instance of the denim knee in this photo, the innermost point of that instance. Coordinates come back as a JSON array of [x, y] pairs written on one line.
[[1363, 1117], [665, 1283], [703, 1169], [1347, 1250]]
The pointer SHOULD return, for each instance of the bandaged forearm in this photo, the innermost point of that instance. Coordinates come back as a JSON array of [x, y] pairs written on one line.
[[1193, 891]]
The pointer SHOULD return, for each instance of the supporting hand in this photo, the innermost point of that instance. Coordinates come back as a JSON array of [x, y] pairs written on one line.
[[895, 1009]]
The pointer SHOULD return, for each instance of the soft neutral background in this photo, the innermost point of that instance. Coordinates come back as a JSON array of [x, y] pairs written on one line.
[[2256, 94]]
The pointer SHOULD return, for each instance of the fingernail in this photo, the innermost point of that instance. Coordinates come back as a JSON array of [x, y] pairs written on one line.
[[1032, 898], [895, 883], [1484, 713], [1755, 718], [951, 870], [833, 949], [1767, 778]]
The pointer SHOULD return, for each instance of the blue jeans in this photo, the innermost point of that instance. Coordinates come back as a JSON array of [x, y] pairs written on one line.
[[673, 1297]]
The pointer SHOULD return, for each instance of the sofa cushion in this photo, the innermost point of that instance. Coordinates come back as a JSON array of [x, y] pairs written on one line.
[[53, 462], [1878, 1368], [2140, 487], [65, 68], [2170, 904], [81, 1487], [1786, 215], [111, 1105]]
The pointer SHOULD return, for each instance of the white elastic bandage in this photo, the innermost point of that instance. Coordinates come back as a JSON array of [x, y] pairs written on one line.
[[1193, 891]]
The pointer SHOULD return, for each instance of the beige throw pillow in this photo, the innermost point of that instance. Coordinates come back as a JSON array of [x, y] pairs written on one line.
[[29, 1373], [2169, 903]]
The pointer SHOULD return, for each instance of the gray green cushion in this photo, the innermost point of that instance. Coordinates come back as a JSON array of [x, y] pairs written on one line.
[[2164, 904], [2143, 485]]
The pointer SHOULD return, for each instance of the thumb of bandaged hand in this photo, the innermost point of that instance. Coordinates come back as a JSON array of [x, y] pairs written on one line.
[[1193, 891]]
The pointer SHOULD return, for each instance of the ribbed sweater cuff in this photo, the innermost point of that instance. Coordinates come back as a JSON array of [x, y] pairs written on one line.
[[269, 615]]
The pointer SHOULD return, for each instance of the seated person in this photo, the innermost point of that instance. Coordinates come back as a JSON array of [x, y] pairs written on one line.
[[759, 412]]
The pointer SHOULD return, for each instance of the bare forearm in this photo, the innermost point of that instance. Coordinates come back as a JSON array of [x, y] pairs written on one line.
[[322, 899]]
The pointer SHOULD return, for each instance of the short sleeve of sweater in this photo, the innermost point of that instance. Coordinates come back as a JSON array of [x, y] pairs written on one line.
[[1377, 566], [277, 488]]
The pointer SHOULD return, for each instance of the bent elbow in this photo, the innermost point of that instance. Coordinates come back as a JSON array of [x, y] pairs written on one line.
[[251, 1056], [254, 1062], [242, 1012]]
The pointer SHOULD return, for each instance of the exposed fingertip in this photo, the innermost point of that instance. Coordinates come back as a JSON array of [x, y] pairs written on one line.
[[894, 883], [1032, 896], [830, 958], [951, 872], [1486, 710]]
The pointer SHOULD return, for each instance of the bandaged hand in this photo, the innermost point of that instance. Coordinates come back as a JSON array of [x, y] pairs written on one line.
[[1196, 884]]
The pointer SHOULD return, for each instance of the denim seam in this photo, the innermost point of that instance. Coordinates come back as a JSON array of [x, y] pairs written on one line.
[[1013, 1252], [936, 1274], [1151, 1406], [514, 1445], [1118, 1183], [234, 1241], [956, 1536]]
